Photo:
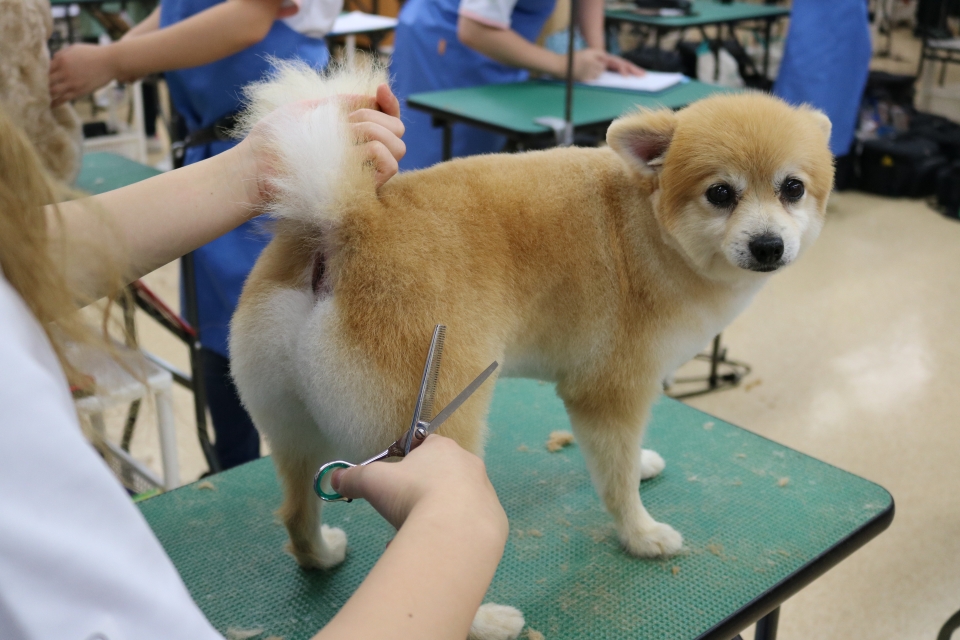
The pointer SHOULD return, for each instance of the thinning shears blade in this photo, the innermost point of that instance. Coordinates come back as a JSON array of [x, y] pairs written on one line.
[[460, 399], [428, 385]]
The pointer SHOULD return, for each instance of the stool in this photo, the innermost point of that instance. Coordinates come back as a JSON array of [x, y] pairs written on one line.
[[121, 380]]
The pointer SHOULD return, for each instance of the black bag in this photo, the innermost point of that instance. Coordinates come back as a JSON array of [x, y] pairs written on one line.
[[654, 59], [943, 131], [903, 166], [890, 87], [948, 190], [752, 77]]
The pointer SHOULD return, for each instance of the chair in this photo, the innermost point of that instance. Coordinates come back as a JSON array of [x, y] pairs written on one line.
[[121, 379]]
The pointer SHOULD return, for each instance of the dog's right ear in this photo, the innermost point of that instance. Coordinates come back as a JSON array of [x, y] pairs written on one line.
[[642, 139]]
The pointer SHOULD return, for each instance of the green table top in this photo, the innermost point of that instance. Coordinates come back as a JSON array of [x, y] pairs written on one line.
[[101, 172], [759, 521], [511, 108], [705, 12]]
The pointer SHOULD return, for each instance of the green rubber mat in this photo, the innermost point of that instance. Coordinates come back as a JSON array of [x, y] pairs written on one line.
[[513, 106], [102, 172], [706, 12], [755, 515]]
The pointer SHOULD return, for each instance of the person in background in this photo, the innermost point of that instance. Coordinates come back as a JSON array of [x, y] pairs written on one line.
[[77, 558], [450, 44], [826, 62], [209, 49]]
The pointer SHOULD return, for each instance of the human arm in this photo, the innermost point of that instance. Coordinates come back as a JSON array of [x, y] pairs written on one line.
[[212, 34], [148, 224], [509, 47], [590, 18], [452, 530], [147, 25]]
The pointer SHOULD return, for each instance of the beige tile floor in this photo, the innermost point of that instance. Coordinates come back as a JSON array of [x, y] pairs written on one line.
[[855, 353]]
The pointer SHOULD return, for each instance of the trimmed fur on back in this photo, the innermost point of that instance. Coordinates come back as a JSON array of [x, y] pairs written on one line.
[[321, 169]]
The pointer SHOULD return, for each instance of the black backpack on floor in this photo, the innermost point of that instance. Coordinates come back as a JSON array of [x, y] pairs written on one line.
[[903, 166], [948, 190]]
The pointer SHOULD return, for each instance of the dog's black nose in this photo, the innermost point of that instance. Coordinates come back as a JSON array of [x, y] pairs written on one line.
[[767, 249]]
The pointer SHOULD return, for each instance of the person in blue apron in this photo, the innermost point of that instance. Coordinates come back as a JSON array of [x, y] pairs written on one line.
[[826, 62], [207, 94], [204, 96], [451, 44]]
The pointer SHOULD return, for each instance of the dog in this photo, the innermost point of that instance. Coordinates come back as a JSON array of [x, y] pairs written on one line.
[[601, 270]]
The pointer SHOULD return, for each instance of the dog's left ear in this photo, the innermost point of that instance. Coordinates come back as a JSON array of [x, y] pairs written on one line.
[[822, 121], [642, 139]]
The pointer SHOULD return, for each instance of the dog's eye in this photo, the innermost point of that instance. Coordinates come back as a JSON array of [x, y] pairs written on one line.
[[792, 189], [720, 195]]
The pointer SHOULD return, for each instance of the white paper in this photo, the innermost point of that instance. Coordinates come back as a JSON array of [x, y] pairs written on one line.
[[359, 22], [650, 81]]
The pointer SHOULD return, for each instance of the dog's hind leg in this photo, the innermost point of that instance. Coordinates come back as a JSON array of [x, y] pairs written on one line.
[[314, 546], [609, 433]]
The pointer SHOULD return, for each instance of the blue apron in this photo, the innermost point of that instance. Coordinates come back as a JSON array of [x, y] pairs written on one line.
[[203, 95], [428, 56], [826, 61]]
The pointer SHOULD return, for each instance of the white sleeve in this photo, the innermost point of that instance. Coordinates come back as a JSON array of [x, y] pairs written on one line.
[[315, 17], [77, 559], [493, 13]]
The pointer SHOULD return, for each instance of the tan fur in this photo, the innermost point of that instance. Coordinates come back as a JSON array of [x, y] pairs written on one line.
[[25, 27], [599, 269]]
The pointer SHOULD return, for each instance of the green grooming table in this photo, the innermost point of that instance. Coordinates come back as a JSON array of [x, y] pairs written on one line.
[[760, 521], [510, 109], [102, 172], [705, 13]]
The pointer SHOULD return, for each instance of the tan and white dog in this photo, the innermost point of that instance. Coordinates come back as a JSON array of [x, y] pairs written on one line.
[[601, 270]]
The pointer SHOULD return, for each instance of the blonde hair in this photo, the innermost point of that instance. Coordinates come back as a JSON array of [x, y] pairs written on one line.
[[28, 257]]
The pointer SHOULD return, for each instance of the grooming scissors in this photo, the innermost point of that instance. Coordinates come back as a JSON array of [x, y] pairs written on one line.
[[420, 426]]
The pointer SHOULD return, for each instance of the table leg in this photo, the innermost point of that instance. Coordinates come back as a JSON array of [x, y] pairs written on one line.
[[447, 140], [191, 311], [351, 49], [766, 49], [714, 379], [70, 34], [767, 626]]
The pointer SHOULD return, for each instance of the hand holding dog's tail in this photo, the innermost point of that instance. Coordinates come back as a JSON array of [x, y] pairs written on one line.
[[326, 137]]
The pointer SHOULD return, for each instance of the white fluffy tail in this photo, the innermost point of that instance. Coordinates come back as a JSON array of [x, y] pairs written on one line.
[[319, 163]]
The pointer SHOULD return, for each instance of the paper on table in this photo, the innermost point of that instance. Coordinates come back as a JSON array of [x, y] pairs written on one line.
[[650, 81], [359, 22]]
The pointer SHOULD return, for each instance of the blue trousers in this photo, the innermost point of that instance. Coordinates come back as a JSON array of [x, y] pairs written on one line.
[[237, 440]]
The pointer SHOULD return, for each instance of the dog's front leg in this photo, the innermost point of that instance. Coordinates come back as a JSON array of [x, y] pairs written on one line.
[[609, 435], [314, 546]]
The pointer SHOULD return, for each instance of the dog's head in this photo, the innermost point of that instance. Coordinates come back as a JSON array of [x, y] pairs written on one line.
[[740, 181]]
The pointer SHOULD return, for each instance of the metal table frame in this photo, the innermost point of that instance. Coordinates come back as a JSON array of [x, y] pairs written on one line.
[[662, 25]]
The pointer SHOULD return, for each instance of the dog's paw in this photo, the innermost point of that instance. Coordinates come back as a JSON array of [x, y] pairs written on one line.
[[332, 550], [496, 622], [333, 546], [651, 464], [659, 540]]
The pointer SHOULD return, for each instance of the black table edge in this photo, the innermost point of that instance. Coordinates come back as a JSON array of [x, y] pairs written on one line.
[[451, 117], [727, 21], [773, 598]]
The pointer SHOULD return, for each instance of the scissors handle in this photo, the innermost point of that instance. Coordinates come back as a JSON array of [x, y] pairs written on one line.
[[329, 496]]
